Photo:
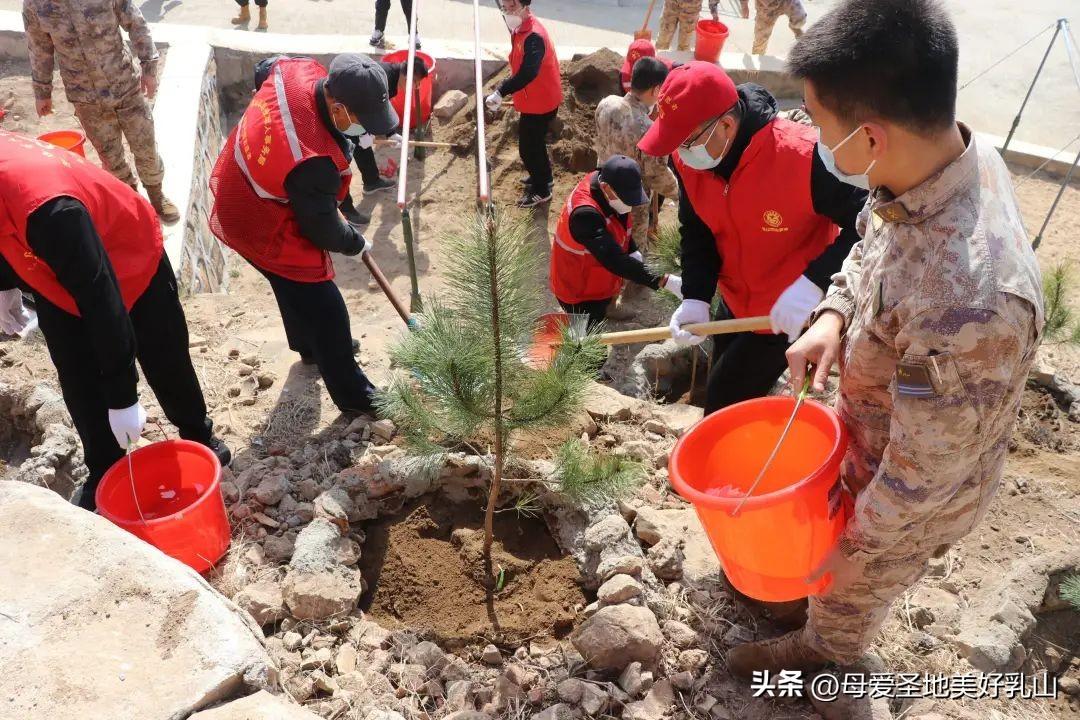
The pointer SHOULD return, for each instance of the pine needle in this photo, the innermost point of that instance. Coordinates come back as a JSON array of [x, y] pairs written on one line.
[[1062, 325], [591, 478], [1070, 591]]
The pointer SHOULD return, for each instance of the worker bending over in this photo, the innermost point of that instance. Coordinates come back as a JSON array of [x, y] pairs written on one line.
[[758, 215], [89, 248], [935, 317], [536, 87], [621, 122], [277, 186], [592, 252]]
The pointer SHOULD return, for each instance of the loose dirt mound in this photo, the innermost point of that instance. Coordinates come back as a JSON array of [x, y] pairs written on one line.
[[586, 81], [421, 567]]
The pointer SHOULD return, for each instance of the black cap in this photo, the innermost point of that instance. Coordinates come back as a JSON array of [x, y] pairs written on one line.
[[358, 83], [624, 177]]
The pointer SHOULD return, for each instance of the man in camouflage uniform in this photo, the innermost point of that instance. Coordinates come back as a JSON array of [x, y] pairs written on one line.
[[100, 80], [767, 12], [935, 317], [621, 121], [681, 14]]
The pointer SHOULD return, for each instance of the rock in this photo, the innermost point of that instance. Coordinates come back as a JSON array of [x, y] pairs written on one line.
[[666, 559], [1069, 686], [317, 659], [491, 655], [630, 680], [383, 430], [693, 659], [263, 600], [266, 380], [408, 676], [93, 615], [455, 669], [641, 450], [658, 702], [457, 695], [619, 589], [933, 605], [292, 640], [345, 659], [369, 635], [680, 634], [605, 404], [322, 595], [571, 690], [624, 564], [618, 635], [449, 104], [609, 531], [278, 549], [468, 715], [683, 680], [271, 489], [336, 505], [260, 706], [555, 712], [381, 714], [677, 418], [593, 699], [655, 426], [699, 562], [428, 655]]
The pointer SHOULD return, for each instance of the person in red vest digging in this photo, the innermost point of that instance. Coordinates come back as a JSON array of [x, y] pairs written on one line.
[[536, 87], [592, 252], [278, 185], [758, 214], [89, 248]]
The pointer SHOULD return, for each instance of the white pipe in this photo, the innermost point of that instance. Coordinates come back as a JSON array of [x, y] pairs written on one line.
[[483, 192], [403, 165]]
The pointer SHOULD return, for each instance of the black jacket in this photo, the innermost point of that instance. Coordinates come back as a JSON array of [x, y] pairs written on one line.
[[831, 198]]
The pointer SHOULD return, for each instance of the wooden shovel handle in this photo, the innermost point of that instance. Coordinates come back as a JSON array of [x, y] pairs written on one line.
[[385, 285], [648, 16], [431, 144], [715, 327]]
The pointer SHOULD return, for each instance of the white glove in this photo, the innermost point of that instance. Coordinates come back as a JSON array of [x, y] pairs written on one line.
[[691, 311], [637, 256], [673, 284], [395, 140], [368, 244], [13, 316], [794, 306], [127, 424], [365, 141], [493, 101]]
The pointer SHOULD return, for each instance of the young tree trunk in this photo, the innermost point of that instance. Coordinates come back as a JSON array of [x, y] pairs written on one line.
[[496, 477]]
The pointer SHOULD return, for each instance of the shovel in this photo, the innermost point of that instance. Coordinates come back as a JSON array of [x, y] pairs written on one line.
[[546, 343], [645, 33]]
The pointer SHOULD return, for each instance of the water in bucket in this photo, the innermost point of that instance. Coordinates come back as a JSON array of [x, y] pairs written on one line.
[[797, 512]]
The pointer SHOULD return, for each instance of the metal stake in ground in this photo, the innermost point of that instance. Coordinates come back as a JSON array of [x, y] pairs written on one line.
[[406, 229], [1061, 191], [1016, 121]]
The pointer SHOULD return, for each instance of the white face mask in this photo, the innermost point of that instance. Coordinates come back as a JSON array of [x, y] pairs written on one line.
[[618, 206], [354, 129], [513, 22], [698, 157], [828, 159]]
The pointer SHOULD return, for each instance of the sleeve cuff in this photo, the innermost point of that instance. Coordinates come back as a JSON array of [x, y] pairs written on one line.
[[122, 390], [837, 303]]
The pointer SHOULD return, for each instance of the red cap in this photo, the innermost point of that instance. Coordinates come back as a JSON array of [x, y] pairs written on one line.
[[693, 93], [638, 49]]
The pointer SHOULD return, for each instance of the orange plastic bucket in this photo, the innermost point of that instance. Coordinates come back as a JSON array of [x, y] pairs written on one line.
[[72, 140], [425, 87], [547, 339], [178, 486], [711, 35], [791, 522]]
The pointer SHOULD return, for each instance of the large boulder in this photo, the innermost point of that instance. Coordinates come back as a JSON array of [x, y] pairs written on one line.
[[618, 635], [317, 586], [96, 623], [260, 706]]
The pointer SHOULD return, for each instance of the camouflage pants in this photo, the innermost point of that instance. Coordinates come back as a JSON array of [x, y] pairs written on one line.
[[105, 125], [842, 625], [767, 12], [682, 14]]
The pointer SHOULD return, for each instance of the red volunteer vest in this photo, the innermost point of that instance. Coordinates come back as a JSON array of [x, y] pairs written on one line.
[[576, 275], [764, 222], [543, 94], [280, 129], [32, 173]]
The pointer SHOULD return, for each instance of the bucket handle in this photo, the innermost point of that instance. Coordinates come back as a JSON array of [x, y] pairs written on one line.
[[131, 479]]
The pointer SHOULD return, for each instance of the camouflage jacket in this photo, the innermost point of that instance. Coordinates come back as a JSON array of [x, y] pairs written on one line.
[[83, 38], [621, 121], [942, 302]]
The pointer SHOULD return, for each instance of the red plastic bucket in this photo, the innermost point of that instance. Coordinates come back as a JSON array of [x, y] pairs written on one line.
[[711, 35], [178, 486], [425, 87], [791, 522], [72, 140], [548, 339]]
